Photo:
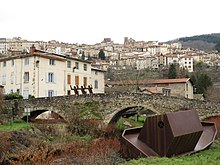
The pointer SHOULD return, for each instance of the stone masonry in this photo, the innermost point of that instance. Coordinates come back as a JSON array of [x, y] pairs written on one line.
[[110, 104]]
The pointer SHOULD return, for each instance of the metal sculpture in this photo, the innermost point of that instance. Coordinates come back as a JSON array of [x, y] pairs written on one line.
[[169, 135]]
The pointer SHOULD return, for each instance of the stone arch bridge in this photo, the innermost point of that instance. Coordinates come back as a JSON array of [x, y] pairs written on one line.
[[110, 104]]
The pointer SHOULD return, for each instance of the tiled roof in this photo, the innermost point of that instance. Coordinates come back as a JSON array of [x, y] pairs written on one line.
[[186, 56], [152, 90], [142, 82], [170, 55]]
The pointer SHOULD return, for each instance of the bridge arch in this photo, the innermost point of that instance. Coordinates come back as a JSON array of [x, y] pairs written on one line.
[[36, 113], [133, 109]]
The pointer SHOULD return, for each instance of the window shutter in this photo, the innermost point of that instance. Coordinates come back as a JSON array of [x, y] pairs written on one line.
[[76, 80], [68, 79], [47, 78], [85, 81], [54, 77]]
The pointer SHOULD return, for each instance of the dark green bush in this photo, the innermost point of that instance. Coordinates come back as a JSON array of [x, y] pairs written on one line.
[[12, 96]]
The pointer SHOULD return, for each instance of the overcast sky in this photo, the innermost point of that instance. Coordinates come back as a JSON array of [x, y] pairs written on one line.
[[89, 21]]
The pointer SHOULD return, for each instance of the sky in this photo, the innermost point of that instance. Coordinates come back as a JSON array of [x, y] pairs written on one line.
[[90, 21]]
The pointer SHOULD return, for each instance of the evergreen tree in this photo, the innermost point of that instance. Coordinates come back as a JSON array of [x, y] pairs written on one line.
[[102, 54], [172, 71], [201, 82]]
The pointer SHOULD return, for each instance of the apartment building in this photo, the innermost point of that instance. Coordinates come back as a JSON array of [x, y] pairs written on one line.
[[186, 62], [43, 74], [3, 45]]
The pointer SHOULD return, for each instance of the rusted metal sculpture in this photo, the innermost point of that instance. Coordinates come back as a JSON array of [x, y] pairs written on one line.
[[169, 135], [83, 89]]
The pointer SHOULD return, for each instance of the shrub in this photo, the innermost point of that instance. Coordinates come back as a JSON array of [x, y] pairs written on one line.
[[12, 96]]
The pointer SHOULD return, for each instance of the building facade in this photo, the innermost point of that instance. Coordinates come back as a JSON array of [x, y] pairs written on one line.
[[181, 87], [42, 74]]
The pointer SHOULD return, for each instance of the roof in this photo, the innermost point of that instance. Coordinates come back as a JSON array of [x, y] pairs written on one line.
[[97, 69], [186, 56], [152, 90], [44, 54], [170, 55], [157, 81]]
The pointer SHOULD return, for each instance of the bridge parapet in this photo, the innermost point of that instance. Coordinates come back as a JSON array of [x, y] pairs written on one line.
[[110, 104]]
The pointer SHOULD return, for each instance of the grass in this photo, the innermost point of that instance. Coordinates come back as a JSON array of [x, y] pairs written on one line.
[[207, 157], [132, 121], [14, 126]]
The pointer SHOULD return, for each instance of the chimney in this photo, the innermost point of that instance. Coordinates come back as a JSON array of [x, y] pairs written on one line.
[[32, 49]]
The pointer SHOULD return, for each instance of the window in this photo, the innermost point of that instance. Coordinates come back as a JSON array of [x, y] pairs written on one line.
[[26, 93], [85, 67], [12, 63], [76, 80], [12, 77], [4, 79], [26, 61], [68, 79], [77, 65], [26, 77], [50, 93], [68, 64], [68, 92], [96, 73], [96, 84], [51, 77], [4, 63], [85, 81], [52, 62]]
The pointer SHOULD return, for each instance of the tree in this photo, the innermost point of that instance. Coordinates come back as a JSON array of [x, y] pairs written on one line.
[[1, 98], [12, 96], [172, 71], [217, 47], [201, 82], [102, 54], [200, 78], [213, 94]]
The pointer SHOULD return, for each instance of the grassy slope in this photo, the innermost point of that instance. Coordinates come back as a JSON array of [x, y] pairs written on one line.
[[17, 125], [207, 157]]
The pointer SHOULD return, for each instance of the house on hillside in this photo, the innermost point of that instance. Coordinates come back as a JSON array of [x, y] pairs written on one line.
[[43, 74], [181, 87], [186, 62]]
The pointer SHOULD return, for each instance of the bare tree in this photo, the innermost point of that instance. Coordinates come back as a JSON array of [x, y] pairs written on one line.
[[213, 94], [1, 98], [1, 102]]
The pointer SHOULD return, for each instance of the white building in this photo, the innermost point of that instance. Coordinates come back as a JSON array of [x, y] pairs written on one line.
[[43, 74], [186, 62], [3, 45], [171, 59]]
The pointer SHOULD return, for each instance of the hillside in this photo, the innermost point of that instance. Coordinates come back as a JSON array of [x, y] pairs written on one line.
[[202, 42]]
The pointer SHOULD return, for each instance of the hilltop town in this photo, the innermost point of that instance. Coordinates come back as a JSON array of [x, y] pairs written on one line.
[[53, 68], [139, 54]]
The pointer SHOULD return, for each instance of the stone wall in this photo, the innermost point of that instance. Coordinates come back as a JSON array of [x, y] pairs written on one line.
[[109, 104]]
